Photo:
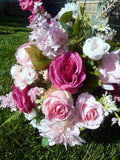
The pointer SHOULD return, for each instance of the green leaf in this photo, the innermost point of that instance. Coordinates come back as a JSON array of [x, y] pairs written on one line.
[[66, 16], [39, 61], [82, 9], [68, 28], [76, 27], [44, 141]]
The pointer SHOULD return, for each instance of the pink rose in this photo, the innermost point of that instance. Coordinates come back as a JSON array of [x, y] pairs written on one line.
[[67, 72], [22, 99], [90, 112], [58, 106], [110, 70], [22, 56]]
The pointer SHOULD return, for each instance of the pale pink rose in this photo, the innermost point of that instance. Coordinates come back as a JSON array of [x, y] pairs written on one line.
[[58, 106], [110, 70], [90, 112], [57, 133], [33, 92], [22, 56], [25, 77], [14, 70]]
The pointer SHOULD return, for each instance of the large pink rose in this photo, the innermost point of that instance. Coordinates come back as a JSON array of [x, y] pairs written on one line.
[[22, 99], [110, 70], [67, 72], [90, 112], [58, 106]]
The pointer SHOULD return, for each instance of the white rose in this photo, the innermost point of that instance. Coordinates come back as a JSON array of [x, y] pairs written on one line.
[[95, 48], [31, 115]]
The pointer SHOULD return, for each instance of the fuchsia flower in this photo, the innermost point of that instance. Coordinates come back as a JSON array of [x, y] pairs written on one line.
[[27, 4], [58, 106], [90, 112], [67, 72], [22, 99]]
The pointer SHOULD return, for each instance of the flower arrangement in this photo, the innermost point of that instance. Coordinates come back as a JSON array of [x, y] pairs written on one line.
[[66, 79]]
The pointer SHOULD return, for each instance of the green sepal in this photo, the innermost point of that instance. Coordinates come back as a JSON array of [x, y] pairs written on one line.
[[44, 141], [66, 17], [39, 61]]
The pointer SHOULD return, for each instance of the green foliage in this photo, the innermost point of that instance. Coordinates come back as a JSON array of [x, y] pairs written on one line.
[[44, 142], [39, 61], [66, 17]]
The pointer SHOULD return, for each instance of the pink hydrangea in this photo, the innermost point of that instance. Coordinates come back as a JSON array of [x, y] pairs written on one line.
[[67, 72], [58, 106], [7, 101], [90, 112], [51, 39], [110, 70], [61, 132]]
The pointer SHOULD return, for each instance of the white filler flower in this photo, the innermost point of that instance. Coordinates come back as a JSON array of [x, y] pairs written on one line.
[[95, 48], [69, 7]]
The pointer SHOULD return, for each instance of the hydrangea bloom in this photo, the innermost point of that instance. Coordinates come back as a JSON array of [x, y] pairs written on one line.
[[50, 38]]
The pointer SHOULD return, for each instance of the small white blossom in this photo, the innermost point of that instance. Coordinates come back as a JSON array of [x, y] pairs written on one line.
[[69, 7], [115, 120], [109, 104], [31, 115]]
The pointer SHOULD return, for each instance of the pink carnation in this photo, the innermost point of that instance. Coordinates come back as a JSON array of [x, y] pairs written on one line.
[[67, 72], [90, 112], [110, 70], [57, 133], [58, 106]]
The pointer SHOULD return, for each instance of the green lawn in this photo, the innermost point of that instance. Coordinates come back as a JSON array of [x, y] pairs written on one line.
[[18, 139]]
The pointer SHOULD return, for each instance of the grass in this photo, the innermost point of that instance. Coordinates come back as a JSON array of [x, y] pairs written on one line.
[[20, 141]]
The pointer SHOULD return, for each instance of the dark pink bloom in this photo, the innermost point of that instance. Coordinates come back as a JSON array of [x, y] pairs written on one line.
[[26, 4], [67, 72], [22, 99]]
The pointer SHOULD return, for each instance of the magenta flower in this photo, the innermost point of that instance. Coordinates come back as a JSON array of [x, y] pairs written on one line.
[[26, 4], [67, 72], [22, 99]]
